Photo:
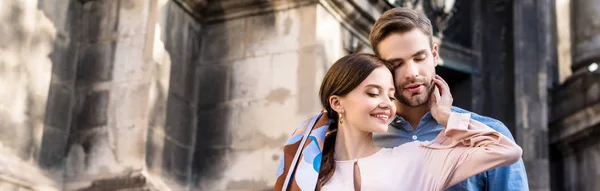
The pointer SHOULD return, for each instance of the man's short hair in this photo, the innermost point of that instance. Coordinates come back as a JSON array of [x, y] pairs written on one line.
[[399, 20]]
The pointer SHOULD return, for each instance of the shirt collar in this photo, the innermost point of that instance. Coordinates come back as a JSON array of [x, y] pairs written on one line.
[[425, 122]]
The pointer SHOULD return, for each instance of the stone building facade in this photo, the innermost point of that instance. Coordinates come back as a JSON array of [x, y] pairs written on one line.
[[202, 94]]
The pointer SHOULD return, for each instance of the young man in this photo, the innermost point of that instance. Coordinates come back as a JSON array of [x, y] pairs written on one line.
[[404, 37]]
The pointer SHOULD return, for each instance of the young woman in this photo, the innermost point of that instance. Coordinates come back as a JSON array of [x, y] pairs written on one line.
[[357, 94]]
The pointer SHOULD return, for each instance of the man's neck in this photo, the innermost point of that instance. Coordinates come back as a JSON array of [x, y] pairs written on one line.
[[413, 114], [352, 143]]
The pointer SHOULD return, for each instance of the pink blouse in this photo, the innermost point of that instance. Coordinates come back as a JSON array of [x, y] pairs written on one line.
[[465, 148]]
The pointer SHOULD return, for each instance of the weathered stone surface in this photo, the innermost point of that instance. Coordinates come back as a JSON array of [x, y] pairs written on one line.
[[250, 78], [27, 40], [99, 21], [223, 41], [92, 110], [207, 168], [533, 53], [252, 130], [250, 169], [214, 130], [179, 124], [20, 175], [57, 110], [212, 86], [64, 57], [96, 62], [128, 105], [586, 33], [284, 78], [53, 148], [575, 94], [176, 161]]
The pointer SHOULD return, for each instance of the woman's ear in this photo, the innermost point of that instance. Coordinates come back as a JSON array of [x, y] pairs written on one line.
[[336, 104]]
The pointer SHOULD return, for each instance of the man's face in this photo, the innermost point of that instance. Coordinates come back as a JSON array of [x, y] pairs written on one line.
[[414, 65]]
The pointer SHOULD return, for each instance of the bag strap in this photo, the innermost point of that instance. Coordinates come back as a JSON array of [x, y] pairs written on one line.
[[309, 128]]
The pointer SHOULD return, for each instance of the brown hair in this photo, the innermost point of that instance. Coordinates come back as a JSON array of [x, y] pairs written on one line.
[[399, 20], [341, 78]]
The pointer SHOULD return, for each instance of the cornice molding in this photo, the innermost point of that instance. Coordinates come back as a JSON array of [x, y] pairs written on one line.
[[221, 10], [357, 15]]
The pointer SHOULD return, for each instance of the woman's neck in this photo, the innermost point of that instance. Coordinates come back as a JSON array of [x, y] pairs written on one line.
[[352, 143]]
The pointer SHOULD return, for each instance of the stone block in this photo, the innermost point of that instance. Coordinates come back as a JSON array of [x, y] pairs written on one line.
[[183, 80], [129, 104], [538, 174], [592, 91], [263, 124], [251, 169], [53, 148], [176, 160], [130, 145], [63, 13], [155, 142], [208, 166], [223, 41], [213, 131], [64, 58], [284, 80], [278, 32], [91, 110], [179, 124], [133, 17], [250, 78], [129, 61], [100, 20], [212, 86], [181, 34], [58, 110], [96, 62]]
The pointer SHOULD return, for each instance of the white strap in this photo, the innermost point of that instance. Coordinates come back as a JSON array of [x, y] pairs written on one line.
[[293, 165]]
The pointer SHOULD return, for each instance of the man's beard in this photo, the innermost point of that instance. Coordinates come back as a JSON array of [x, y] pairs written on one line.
[[416, 102]]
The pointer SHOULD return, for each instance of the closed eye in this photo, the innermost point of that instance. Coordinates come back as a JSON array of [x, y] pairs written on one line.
[[372, 95], [421, 57]]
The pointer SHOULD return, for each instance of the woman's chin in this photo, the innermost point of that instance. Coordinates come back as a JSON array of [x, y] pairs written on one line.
[[380, 129]]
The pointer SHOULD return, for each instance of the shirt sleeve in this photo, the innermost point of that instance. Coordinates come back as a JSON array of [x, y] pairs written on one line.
[[467, 147]]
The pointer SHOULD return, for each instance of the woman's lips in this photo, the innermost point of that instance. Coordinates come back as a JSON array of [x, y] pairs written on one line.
[[382, 117]]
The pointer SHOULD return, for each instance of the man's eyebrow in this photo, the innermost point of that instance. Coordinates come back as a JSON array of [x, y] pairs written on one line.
[[419, 52], [392, 60]]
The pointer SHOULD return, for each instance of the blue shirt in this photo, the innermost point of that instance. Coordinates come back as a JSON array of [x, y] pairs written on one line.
[[506, 178]]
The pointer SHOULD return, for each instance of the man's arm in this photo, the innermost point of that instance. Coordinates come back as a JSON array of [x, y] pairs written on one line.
[[509, 178]]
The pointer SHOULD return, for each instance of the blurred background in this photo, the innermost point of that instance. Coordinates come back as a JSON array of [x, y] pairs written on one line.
[[202, 94]]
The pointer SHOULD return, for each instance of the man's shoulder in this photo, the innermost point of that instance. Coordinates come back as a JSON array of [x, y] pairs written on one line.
[[491, 122]]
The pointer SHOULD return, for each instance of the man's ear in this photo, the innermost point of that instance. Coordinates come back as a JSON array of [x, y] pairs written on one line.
[[336, 103], [436, 54]]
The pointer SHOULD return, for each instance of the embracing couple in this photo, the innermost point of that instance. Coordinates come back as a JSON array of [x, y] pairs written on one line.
[[388, 124]]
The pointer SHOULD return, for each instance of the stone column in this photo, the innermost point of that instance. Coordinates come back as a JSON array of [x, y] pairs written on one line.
[[113, 78], [585, 33], [576, 106], [534, 51]]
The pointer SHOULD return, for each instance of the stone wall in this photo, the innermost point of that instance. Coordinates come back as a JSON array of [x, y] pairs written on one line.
[[170, 139], [259, 78], [27, 38]]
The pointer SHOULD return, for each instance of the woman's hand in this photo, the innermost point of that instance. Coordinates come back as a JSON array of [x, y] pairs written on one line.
[[441, 101]]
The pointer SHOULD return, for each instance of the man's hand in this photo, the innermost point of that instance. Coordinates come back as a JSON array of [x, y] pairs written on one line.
[[441, 101]]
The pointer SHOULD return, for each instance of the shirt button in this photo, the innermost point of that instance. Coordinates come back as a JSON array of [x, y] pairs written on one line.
[[398, 121], [414, 137]]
